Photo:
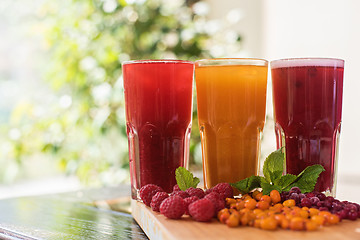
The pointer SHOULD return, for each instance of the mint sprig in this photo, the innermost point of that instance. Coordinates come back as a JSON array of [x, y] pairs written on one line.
[[273, 178], [185, 179]]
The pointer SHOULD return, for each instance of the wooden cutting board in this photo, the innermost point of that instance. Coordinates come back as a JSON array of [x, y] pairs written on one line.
[[158, 227]]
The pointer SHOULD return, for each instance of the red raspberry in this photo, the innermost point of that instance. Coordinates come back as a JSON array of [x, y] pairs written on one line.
[[173, 207], [148, 191], [208, 191], [201, 210], [181, 194], [176, 188], [224, 189], [195, 192], [157, 200], [188, 201], [218, 203]]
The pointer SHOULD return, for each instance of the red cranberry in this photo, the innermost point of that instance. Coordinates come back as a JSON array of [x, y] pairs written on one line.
[[321, 196], [314, 200], [323, 209], [310, 195], [295, 190], [342, 214], [350, 207], [352, 215], [327, 204], [306, 202], [295, 196]]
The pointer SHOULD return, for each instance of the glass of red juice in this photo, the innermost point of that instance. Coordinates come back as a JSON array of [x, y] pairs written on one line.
[[307, 97], [158, 105]]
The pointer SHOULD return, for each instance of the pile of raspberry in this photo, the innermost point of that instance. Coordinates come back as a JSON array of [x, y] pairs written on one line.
[[201, 205]]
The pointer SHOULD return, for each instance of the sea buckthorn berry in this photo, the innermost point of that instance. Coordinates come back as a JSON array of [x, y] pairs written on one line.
[[268, 223], [333, 219], [278, 206], [223, 217], [240, 205], [304, 213], [223, 211], [245, 219], [244, 210], [305, 209], [233, 205], [295, 212], [261, 215], [289, 216], [275, 196], [257, 211], [230, 201], [311, 225], [232, 221], [257, 223], [258, 196], [246, 197], [325, 214], [297, 223], [285, 223], [265, 198], [263, 205], [289, 203], [318, 219], [313, 212], [250, 204], [279, 218], [231, 210], [286, 210], [254, 193], [270, 213]]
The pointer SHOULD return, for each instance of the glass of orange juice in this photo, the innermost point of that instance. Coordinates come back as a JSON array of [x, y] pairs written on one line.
[[231, 99]]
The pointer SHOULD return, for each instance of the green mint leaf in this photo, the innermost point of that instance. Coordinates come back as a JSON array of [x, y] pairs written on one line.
[[267, 188], [285, 181], [306, 180], [274, 166], [247, 184], [185, 179]]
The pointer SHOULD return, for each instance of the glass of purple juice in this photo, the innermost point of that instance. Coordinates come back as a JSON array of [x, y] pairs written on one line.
[[307, 97]]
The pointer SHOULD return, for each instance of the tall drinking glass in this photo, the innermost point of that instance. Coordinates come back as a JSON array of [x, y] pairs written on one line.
[[231, 96], [307, 96], [158, 103]]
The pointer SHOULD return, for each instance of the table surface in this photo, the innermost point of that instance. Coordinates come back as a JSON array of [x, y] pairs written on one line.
[[78, 215], [92, 214]]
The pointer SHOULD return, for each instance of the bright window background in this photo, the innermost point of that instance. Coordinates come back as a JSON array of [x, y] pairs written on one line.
[[269, 29]]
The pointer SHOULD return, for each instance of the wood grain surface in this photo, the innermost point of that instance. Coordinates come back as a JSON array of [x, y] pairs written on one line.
[[156, 226]]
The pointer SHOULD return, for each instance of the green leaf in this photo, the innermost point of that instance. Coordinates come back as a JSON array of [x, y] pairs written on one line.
[[248, 184], [267, 188], [285, 181], [274, 166], [185, 179], [306, 180]]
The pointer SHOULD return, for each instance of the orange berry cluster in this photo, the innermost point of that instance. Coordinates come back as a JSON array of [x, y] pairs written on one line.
[[267, 212]]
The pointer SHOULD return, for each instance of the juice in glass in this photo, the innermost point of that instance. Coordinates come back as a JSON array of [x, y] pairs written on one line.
[[231, 96], [307, 96], [158, 103]]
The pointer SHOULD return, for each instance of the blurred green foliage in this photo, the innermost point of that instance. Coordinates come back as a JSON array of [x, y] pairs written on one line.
[[82, 127]]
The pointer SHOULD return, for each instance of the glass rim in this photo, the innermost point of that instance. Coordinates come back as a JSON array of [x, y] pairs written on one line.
[[156, 61], [231, 61], [307, 61]]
